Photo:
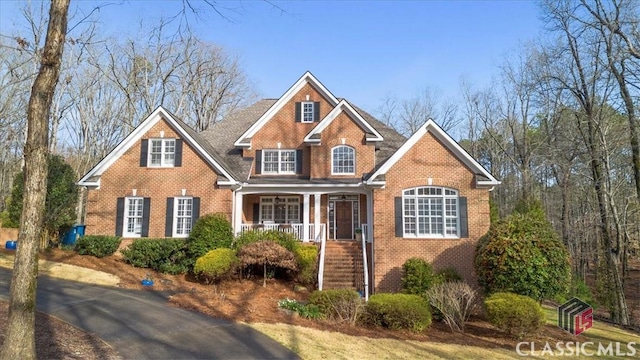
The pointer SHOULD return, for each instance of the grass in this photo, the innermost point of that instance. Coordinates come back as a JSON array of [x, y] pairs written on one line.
[[312, 344]]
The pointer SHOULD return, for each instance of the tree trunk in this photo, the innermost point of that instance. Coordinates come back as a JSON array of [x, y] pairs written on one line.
[[264, 278], [19, 342]]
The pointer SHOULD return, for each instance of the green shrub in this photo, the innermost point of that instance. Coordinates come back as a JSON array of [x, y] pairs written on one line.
[[307, 257], [97, 245], [518, 315], [163, 255], [216, 264], [580, 290], [522, 254], [305, 310], [418, 276], [449, 274], [288, 241], [210, 232], [397, 311], [342, 305]]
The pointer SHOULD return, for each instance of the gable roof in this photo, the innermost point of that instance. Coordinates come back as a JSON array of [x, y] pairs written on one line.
[[92, 178], [343, 106], [483, 176], [244, 140]]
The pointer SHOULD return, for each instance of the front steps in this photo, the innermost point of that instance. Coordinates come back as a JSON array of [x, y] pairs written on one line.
[[343, 267]]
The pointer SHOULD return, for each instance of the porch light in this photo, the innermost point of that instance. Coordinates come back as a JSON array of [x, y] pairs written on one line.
[[277, 200], [344, 197]]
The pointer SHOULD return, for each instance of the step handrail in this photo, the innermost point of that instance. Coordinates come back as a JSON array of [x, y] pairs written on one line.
[[366, 269], [323, 245]]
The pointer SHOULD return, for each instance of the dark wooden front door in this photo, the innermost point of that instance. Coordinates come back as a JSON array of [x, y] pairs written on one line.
[[344, 221]]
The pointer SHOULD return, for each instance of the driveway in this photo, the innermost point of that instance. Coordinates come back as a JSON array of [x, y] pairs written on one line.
[[141, 325]]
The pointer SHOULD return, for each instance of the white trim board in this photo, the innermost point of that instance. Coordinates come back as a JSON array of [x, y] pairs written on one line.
[[345, 107]]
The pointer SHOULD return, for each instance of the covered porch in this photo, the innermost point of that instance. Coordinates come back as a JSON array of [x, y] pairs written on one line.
[[340, 214]]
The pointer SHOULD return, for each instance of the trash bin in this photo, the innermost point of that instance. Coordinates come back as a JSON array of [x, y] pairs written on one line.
[[70, 237]]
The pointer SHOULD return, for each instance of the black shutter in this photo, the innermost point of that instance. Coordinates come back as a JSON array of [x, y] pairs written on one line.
[[397, 202], [301, 210], [298, 112], [298, 161], [177, 160], [168, 225], [195, 211], [146, 209], [119, 216], [258, 161], [464, 221], [144, 152], [256, 213], [316, 111]]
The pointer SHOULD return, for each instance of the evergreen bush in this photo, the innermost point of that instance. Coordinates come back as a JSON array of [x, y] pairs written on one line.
[[97, 245], [163, 255], [211, 231], [418, 276], [307, 258], [515, 314], [397, 311], [215, 265], [522, 254]]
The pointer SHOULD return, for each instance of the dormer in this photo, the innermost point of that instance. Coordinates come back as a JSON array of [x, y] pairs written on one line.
[[371, 134]]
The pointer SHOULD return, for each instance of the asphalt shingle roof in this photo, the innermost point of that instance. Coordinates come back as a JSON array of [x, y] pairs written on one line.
[[219, 139]]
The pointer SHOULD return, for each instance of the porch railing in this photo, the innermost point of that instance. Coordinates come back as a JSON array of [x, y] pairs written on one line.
[[295, 228]]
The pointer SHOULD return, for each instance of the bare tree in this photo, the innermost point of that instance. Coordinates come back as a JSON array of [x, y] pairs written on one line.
[[19, 342]]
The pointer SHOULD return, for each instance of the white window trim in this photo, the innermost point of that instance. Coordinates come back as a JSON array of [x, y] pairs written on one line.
[[125, 217], [333, 158], [272, 203], [279, 171], [313, 112], [163, 163], [444, 213], [175, 216]]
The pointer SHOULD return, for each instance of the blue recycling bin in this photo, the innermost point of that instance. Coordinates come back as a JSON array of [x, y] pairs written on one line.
[[70, 237]]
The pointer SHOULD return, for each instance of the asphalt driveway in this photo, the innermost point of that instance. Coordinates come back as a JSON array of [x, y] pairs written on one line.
[[140, 324]]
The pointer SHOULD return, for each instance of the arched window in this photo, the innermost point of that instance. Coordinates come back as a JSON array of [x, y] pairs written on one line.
[[430, 211], [343, 160]]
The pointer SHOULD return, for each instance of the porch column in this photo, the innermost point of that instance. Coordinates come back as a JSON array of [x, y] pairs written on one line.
[[316, 217], [305, 217], [237, 213]]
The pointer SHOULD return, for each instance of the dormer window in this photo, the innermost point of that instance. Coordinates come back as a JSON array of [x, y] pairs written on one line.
[[307, 112]]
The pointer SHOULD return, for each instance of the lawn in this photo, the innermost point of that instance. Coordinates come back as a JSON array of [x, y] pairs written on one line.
[[312, 344]]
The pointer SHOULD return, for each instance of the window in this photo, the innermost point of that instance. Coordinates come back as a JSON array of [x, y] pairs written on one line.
[[162, 152], [343, 160], [133, 216], [307, 112], [280, 210], [279, 162], [183, 216], [430, 211]]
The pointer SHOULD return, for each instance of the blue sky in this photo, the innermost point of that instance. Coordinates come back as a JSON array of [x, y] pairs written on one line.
[[360, 50]]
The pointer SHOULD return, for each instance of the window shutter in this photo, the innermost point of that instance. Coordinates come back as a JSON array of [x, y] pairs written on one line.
[[177, 160], [298, 161], [146, 209], [144, 152], [256, 213], [258, 161], [168, 225], [298, 112], [119, 216], [300, 211], [464, 221], [397, 202], [195, 211], [316, 111]]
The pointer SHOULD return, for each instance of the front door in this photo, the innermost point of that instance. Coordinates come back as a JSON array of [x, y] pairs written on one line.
[[344, 222]]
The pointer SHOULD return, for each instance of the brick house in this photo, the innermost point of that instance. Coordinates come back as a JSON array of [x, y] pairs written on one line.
[[307, 163]]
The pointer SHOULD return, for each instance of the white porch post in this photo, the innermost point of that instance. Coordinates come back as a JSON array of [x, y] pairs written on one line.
[[316, 217], [305, 217], [237, 213]]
